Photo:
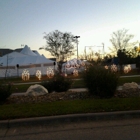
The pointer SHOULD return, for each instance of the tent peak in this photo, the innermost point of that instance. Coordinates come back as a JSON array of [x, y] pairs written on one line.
[[26, 50]]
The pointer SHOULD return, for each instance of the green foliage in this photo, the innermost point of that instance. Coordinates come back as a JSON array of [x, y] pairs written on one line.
[[100, 81], [5, 91], [58, 83]]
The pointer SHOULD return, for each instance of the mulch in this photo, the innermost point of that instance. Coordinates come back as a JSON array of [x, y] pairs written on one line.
[[51, 97]]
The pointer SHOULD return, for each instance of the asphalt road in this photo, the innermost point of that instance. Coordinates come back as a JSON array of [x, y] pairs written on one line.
[[126, 129]]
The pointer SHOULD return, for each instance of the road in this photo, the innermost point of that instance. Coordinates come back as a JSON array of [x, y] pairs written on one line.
[[126, 129]]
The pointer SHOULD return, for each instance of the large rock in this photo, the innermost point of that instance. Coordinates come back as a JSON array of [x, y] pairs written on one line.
[[36, 90], [130, 86]]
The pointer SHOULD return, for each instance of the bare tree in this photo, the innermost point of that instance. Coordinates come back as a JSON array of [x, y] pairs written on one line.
[[60, 44], [122, 46], [121, 40]]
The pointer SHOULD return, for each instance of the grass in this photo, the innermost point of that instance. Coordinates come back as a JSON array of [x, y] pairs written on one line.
[[80, 83], [32, 79], [13, 111], [76, 84], [128, 80], [20, 88]]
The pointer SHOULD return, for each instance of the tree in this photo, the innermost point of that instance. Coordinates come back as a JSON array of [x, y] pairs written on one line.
[[137, 50], [121, 40], [60, 44], [122, 45]]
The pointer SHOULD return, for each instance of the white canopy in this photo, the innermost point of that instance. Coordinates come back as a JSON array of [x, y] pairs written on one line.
[[26, 59], [36, 52], [26, 50]]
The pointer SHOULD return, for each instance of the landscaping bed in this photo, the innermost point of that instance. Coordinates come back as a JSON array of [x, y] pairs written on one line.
[[47, 98], [51, 97]]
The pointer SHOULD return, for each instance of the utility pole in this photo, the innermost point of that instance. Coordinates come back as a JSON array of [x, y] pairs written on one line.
[[103, 49]]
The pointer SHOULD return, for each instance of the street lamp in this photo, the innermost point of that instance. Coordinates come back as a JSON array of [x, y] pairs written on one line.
[[77, 44]]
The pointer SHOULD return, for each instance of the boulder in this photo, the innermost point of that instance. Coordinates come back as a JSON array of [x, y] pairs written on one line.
[[130, 86], [36, 90]]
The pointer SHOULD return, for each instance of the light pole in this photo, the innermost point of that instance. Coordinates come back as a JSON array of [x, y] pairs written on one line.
[[93, 46], [103, 49], [86, 51], [77, 44]]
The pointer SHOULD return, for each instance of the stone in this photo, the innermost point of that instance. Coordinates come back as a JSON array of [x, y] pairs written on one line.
[[129, 86], [36, 90]]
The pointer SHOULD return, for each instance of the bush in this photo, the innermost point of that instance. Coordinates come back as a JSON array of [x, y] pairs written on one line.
[[100, 81], [62, 83], [5, 91], [58, 83], [49, 85]]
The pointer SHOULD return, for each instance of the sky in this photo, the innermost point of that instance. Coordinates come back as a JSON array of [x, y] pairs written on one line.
[[25, 21]]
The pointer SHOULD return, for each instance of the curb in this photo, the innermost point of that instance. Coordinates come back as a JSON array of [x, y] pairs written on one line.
[[53, 120]]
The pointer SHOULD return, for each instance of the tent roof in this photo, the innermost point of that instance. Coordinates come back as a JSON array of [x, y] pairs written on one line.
[[29, 60], [15, 58], [36, 52], [10, 57], [27, 51], [13, 54]]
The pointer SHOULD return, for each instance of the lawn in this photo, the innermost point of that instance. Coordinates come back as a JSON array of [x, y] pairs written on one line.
[[76, 84], [13, 111], [129, 80], [90, 105]]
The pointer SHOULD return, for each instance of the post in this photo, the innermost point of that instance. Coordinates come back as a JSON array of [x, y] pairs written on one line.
[[77, 44], [77, 49], [54, 67], [17, 70], [6, 68], [85, 53], [103, 49]]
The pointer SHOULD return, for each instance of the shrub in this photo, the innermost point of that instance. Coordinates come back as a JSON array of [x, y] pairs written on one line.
[[49, 85], [61, 83], [58, 83], [5, 91], [100, 81]]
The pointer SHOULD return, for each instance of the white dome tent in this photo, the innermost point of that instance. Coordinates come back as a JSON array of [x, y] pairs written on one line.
[[14, 63], [69, 66]]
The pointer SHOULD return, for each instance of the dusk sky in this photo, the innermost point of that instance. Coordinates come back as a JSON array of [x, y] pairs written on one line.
[[25, 21]]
